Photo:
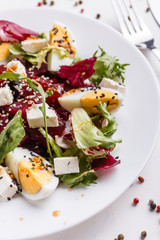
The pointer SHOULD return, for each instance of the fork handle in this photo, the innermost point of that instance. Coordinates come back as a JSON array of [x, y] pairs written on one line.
[[156, 52]]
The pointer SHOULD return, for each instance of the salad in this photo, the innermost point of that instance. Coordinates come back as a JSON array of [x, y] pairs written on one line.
[[57, 119]]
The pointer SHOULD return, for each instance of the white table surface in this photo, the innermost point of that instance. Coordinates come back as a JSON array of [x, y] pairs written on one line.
[[121, 216]]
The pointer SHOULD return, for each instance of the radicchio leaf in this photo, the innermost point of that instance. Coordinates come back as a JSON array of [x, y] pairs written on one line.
[[104, 163], [77, 73], [11, 32]]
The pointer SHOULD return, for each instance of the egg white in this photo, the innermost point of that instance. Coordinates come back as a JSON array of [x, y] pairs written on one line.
[[71, 101], [12, 161], [54, 61]]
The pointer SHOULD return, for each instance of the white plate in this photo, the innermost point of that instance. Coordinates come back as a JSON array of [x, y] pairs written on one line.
[[155, 9], [138, 126]]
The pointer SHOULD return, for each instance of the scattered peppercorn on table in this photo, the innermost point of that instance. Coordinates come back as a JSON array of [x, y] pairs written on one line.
[[136, 214]]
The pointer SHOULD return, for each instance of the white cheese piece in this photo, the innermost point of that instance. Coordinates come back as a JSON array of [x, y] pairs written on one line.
[[34, 45], [35, 117], [66, 165], [7, 188], [16, 66], [55, 61], [108, 83], [6, 96]]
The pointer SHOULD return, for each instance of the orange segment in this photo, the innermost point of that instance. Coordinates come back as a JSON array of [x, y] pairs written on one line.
[[60, 37], [4, 51], [32, 178], [91, 100]]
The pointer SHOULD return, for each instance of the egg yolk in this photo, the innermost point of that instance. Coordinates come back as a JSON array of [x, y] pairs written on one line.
[[60, 37], [33, 176], [4, 51], [91, 100]]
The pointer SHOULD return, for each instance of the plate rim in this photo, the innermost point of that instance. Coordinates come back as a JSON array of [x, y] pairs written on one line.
[[100, 209]]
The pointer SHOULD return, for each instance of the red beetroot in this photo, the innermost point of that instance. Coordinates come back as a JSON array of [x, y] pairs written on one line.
[[79, 72]]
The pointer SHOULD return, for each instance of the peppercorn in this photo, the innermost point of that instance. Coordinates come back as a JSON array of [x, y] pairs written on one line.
[[158, 208], [39, 4], [152, 206], [52, 3], [141, 179], [120, 237], [143, 234], [135, 201], [44, 2], [98, 16]]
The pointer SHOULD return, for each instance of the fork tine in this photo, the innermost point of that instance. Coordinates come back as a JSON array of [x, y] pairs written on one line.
[[132, 14], [141, 23], [127, 19], [120, 18]]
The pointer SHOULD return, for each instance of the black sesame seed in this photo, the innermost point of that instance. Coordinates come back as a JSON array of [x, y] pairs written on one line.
[[8, 198], [11, 185], [27, 175], [116, 157], [113, 97], [1, 177], [96, 97]]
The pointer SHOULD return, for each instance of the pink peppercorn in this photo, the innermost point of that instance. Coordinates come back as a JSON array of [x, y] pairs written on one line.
[[135, 201]]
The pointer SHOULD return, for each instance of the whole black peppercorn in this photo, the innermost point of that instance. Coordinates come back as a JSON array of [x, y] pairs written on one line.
[[120, 237], [152, 206], [143, 234]]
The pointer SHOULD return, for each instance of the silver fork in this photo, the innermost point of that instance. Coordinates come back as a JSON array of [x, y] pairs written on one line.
[[133, 27]]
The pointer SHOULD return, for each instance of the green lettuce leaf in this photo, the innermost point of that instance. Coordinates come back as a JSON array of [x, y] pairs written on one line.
[[11, 136], [38, 88], [82, 125], [40, 57], [111, 127], [107, 66], [43, 35], [86, 175]]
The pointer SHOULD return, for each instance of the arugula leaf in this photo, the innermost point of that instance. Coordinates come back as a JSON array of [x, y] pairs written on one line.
[[86, 175], [54, 146], [111, 127], [11, 136], [107, 66], [38, 88], [11, 75]]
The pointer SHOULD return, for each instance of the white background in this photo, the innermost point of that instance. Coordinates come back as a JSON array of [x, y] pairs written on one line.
[[121, 216]]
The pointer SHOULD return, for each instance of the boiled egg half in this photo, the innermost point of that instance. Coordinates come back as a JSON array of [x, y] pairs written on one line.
[[89, 98], [61, 37], [32, 172]]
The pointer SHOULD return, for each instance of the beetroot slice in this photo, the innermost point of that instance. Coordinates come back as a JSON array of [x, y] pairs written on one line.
[[12, 32], [79, 72], [104, 163]]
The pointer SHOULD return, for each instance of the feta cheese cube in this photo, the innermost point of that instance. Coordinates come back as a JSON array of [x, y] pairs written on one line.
[[35, 117], [7, 188], [33, 45], [55, 61], [6, 96], [16, 66], [109, 83], [66, 165]]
